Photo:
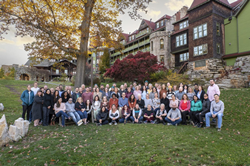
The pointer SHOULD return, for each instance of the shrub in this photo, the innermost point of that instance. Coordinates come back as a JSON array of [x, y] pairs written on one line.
[[175, 79]]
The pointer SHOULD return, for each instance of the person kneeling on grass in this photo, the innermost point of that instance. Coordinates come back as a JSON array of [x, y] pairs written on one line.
[[70, 110], [149, 115], [125, 114], [60, 111], [161, 115], [137, 114], [102, 117], [216, 110], [174, 116], [113, 115]]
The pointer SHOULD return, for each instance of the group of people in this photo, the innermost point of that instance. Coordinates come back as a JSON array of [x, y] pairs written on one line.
[[135, 103]]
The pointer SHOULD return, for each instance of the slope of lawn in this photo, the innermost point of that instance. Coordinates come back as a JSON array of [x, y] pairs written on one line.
[[130, 144]]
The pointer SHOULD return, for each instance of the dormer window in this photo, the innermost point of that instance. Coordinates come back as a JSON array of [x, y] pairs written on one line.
[[184, 24], [157, 25], [162, 23]]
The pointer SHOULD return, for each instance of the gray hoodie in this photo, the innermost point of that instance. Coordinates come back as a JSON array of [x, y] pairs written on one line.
[[70, 107]]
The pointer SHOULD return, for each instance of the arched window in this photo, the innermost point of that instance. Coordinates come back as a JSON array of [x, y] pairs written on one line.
[[152, 47], [161, 44]]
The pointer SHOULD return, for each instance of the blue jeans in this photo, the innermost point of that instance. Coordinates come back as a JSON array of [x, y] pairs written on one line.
[[45, 116], [209, 115], [63, 115], [75, 116], [123, 119], [83, 115], [133, 119], [173, 123]]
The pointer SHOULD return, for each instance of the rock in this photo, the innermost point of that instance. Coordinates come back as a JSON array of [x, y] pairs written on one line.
[[23, 125], [4, 135], [1, 107], [15, 133], [217, 76]]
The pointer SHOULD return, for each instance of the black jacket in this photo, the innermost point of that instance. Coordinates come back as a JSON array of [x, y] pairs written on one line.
[[47, 100], [205, 106], [202, 95], [166, 103], [102, 115], [74, 97], [65, 100], [79, 106], [141, 103]]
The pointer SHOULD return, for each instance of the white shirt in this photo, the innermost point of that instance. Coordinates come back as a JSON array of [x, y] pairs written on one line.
[[35, 90]]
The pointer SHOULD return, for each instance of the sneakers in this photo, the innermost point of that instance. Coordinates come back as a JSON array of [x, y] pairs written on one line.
[[156, 122], [115, 123], [80, 121], [145, 122], [133, 122], [176, 124], [79, 124], [152, 122], [192, 123], [206, 127], [169, 124], [110, 123], [219, 129], [163, 123]]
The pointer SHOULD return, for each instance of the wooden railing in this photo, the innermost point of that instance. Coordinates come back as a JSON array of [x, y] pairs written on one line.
[[183, 68]]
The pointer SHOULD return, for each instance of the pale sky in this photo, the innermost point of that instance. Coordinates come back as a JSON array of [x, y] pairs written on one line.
[[12, 49]]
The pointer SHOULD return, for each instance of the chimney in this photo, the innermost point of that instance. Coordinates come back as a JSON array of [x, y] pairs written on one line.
[[178, 16], [150, 20]]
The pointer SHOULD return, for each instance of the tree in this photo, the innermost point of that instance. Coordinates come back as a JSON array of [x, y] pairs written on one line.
[[1, 72], [135, 67], [104, 61], [62, 28]]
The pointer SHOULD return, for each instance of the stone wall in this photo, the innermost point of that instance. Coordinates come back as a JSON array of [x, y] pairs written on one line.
[[237, 76]]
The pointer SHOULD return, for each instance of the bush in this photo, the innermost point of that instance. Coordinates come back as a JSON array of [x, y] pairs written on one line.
[[175, 79]]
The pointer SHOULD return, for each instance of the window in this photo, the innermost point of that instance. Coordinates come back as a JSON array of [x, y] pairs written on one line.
[[152, 47], [183, 24], [66, 71], [184, 57], [162, 23], [200, 31], [162, 59], [181, 40], [157, 25], [161, 44], [218, 48], [218, 29], [147, 30], [200, 50], [57, 71], [200, 63], [129, 39]]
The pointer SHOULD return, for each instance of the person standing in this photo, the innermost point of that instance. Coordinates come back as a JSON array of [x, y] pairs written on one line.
[[37, 108], [163, 90], [75, 95], [47, 105], [140, 102], [35, 88], [200, 93], [137, 92], [87, 96], [165, 101], [122, 102], [212, 90], [27, 98], [113, 101], [180, 94], [96, 107]]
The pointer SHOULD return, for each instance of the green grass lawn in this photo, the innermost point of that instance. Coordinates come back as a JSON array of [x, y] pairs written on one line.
[[130, 144]]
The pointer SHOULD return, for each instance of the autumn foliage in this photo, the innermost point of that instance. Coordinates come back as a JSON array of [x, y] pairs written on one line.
[[134, 67]]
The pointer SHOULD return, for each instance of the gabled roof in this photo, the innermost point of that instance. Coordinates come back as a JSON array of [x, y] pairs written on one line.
[[197, 3], [44, 63], [125, 36], [234, 4], [164, 17], [242, 5], [150, 24]]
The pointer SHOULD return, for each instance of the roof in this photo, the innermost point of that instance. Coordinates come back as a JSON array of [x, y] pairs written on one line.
[[241, 6], [179, 31], [183, 18], [236, 54], [164, 17], [234, 4], [150, 24], [44, 63], [197, 3], [126, 36]]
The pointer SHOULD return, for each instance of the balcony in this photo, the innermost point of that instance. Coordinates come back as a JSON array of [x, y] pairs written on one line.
[[141, 33]]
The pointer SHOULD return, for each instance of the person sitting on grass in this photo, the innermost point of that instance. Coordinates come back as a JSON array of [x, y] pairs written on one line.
[[174, 116], [216, 110], [113, 115], [196, 107], [80, 108], [102, 117], [70, 110], [161, 115], [205, 109], [125, 114], [149, 115], [60, 109], [137, 114]]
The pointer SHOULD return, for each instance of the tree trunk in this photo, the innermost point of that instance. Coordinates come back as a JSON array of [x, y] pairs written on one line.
[[81, 58]]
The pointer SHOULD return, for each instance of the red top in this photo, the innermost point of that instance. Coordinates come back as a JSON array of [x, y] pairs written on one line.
[[184, 106]]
